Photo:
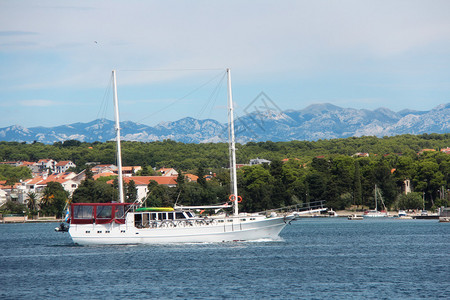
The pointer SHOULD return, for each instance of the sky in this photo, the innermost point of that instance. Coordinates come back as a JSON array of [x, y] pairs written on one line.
[[56, 57]]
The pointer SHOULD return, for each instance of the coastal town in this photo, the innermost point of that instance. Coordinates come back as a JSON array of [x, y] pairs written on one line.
[[45, 171]]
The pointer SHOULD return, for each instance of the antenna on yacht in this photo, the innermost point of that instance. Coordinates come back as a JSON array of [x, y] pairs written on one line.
[[234, 192], [117, 128]]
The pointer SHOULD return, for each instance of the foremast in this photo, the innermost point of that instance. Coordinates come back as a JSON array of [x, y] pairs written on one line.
[[117, 128], [232, 147]]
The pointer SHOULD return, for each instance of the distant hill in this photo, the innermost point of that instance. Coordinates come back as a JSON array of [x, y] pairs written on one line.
[[318, 121]]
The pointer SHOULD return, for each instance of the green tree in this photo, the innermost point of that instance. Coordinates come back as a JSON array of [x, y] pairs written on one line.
[[54, 199], [429, 179], [201, 176], [14, 174], [13, 207], [409, 201], [357, 200], [131, 194], [91, 191], [32, 202], [385, 181], [159, 195], [256, 188], [280, 196]]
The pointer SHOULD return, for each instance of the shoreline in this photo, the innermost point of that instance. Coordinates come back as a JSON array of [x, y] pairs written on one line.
[[22, 220], [340, 214]]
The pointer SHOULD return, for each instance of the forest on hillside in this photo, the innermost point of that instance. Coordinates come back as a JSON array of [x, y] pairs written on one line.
[[301, 171]]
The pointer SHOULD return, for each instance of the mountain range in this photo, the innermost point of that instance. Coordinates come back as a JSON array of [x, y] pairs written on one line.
[[317, 121]]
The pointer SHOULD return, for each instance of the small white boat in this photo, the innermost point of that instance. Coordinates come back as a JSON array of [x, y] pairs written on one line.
[[355, 217], [375, 213], [332, 213], [402, 215]]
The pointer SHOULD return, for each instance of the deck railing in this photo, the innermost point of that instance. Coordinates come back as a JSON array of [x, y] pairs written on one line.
[[301, 207]]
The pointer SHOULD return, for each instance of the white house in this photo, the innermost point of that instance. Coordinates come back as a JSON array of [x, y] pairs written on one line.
[[69, 181], [63, 166], [141, 183], [46, 164], [104, 168], [167, 172], [3, 196], [130, 170], [259, 161]]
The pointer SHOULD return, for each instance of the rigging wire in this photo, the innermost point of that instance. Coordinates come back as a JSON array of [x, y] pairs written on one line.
[[105, 101], [212, 99], [183, 97], [169, 70]]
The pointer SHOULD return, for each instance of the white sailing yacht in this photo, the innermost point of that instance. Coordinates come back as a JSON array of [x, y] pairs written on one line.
[[375, 213], [127, 223]]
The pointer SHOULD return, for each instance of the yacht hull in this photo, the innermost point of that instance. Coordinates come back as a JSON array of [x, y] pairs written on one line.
[[116, 234]]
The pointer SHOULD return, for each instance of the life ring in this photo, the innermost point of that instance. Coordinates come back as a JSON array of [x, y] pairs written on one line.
[[233, 197], [167, 224]]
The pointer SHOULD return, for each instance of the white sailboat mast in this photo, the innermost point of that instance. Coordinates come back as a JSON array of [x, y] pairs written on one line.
[[117, 128], [232, 146], [376, 200]]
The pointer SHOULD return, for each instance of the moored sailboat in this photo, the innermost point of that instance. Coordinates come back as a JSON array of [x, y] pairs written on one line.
[[375, 213], [128, 223]]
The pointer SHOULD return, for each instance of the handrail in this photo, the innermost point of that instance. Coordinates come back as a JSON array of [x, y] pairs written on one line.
[[298, 207]]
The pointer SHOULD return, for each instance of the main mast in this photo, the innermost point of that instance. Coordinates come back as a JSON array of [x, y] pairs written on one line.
[[117, 128], [232, 146], [376, 200]]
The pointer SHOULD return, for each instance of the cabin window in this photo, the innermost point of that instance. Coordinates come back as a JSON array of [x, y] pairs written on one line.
[[153, 216], [83, 212], [137, 219], [119, 212], [104, 212], [179, 215], [162, 216], [170, 216]]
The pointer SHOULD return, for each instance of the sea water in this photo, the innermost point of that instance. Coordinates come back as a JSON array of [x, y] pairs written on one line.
[[318, 258]]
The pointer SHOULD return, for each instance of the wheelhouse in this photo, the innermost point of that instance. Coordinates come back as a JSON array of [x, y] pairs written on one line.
[[98, 213]]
